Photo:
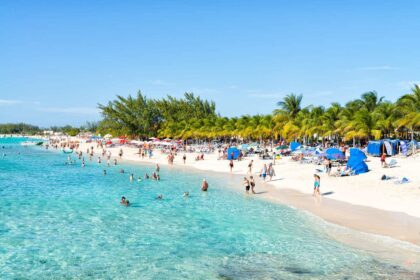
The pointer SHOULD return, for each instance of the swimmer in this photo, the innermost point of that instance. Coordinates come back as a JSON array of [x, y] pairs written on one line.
[[139, 179], [122, 171], [186, 194], [154, 176], [159, 197], [131, 178], [104, 172], [146, 176], [204, 185], [122, 200], [83, 163]]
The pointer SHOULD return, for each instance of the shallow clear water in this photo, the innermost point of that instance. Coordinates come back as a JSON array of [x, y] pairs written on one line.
[[62, 221]]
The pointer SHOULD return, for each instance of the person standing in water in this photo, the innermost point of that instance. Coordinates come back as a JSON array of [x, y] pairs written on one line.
[[246, 184], [157, 168], [317, 185], [131, 177], [252, 183], [204, 185]]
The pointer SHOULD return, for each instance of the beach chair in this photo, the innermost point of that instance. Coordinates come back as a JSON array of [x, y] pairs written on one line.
[[391, 164]]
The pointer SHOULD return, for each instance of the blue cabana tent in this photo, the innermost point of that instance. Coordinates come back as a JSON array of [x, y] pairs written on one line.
[[334, 153], [376, 148], [294, 146], [235, 152], [357, 161]]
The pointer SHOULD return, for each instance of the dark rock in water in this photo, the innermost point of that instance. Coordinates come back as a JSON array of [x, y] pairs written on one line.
[[297, 270], [224, 277]]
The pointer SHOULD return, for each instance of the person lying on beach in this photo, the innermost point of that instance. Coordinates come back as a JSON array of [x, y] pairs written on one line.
[[204, 185]]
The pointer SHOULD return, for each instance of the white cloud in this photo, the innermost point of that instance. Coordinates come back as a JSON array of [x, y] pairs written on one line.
[[9, 102], [379, 68], [70, 110]]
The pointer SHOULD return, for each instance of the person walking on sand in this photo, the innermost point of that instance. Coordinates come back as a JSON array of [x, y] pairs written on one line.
[[271, 171], [184, 158], [383, 162], [263, 173], [317, 185], [204, 185], [246, 184], [252, 183], [250, 166], [231, 165]]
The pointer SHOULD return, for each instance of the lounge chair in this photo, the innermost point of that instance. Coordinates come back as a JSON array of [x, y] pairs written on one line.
[[392, 163]]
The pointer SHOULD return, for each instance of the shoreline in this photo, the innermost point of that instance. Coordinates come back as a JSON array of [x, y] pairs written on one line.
[[394, 224]]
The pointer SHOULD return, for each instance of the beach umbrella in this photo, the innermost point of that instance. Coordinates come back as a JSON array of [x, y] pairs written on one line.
[[334, 153]]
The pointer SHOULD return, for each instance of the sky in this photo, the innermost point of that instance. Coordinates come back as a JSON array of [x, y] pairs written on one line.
[[59, 59]]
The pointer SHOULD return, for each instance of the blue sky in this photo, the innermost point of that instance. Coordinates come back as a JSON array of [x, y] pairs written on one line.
[[58, 59]]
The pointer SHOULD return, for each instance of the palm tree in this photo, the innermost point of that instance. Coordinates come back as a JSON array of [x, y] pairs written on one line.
[[371, 100], [290, 105], [409, 106]]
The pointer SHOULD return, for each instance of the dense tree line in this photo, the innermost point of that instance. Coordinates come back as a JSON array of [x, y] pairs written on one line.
[[19, 128], [369, 117]]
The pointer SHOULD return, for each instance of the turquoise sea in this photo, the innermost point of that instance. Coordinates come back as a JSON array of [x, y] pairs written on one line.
[[61, 221]]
